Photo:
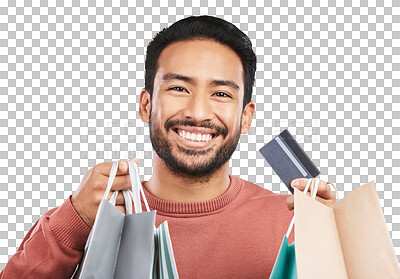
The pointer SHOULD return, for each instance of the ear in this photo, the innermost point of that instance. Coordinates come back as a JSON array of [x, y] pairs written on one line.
[[144, 105], [247, 117]]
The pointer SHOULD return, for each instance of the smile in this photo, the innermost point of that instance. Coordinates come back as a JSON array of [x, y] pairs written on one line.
[[194, 136]]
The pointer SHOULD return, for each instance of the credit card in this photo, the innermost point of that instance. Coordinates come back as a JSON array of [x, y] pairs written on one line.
[[288, 159]]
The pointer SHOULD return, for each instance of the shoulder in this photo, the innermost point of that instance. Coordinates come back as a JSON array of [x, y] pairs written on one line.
[[267, 208], [255, 194], [250, 187]]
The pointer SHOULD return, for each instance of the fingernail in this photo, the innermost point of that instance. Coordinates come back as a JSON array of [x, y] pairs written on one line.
[[295, 183]]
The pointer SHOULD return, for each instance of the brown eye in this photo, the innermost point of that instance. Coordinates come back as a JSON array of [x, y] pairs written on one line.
[[222, 94], [177, 88]]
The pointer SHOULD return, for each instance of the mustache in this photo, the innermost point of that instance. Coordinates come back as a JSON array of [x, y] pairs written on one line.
[[204, 124]]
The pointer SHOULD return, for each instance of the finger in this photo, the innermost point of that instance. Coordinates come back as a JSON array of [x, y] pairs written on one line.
[[290, 202], [299, 183], [122, 182], [105, 167], [328, 202], [324, 191], [125, 167], [120, 198], [120, 201]]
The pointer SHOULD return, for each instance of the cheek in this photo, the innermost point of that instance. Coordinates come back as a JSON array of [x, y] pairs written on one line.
[[170, 105], [163, 110], [232, 121]]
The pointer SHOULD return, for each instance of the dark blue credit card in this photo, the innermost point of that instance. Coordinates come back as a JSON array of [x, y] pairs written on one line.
[[288, 159]]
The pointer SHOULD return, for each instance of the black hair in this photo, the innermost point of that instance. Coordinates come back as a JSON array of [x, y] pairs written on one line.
[[203, 27]]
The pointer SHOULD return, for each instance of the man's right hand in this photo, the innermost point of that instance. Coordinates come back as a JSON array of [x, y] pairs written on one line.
[[86, 199]]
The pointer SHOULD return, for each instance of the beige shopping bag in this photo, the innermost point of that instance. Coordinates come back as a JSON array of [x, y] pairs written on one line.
[[349, 241]]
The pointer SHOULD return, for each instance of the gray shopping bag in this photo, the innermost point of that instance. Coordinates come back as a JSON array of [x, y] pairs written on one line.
[[120, 246], [158, 262], [135, 257], [101, 249]]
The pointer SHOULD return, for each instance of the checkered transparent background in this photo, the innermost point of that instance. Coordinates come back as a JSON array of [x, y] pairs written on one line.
[[70, 78]]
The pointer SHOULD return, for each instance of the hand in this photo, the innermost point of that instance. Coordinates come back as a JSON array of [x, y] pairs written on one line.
[[86, 199], [324, 194]]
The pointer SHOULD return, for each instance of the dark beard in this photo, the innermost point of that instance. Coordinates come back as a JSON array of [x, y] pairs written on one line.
[[201, 171]]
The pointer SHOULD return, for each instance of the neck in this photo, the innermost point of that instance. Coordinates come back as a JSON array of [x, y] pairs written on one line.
[[167, 185]]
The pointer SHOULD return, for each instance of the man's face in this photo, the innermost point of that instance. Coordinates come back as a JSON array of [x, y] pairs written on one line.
[[196, 107]]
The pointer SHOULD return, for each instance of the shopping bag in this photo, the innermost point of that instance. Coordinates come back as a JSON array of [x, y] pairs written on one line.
[[165, 266], [100, 253], [149, 249], [119, 246], [285, 263], [135, 257], [350, 240]]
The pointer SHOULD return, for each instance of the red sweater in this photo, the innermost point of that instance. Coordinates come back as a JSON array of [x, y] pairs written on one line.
[[236, 235]]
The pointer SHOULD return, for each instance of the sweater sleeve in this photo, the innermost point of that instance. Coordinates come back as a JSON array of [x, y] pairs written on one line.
[[52, 248]]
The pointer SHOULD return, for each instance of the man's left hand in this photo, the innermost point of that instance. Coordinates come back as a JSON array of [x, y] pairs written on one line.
[[324, 194]]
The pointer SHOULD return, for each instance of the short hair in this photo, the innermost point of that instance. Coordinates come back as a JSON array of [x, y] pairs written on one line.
[[203, 27]]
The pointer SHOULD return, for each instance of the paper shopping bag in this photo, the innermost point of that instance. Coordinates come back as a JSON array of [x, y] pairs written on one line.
[[349, 241], [285, 263]]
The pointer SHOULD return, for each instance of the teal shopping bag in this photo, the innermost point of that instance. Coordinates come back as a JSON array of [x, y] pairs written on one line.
[[285, 263], [164, 263]]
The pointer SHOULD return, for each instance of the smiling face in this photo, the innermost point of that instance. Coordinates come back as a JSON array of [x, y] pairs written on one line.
[[195, 113]]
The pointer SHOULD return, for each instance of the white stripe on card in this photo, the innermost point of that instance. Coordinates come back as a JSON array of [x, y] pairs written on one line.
[[291, 157]]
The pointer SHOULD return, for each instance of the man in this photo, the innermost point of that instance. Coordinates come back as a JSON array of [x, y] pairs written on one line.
[[197, 101]]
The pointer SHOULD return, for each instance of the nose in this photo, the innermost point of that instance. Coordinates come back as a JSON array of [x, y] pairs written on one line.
[[199, 107]]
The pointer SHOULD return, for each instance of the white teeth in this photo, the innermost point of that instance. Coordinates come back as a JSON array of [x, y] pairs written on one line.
[[194, 137]]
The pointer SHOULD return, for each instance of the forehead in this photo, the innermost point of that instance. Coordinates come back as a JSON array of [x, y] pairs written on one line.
[[202, 60]]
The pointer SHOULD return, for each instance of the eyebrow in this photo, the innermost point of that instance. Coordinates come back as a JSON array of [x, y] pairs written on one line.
[[228, 83], [215, 82], [171, 76]]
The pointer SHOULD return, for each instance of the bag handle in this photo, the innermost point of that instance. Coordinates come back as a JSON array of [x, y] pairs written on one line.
[[137, 188], [113, 198], [128, 201], [314, 194], [125, 193], [111, 178], [127, 198]]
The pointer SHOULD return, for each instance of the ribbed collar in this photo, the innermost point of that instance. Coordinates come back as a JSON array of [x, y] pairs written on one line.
[[195, 207]]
